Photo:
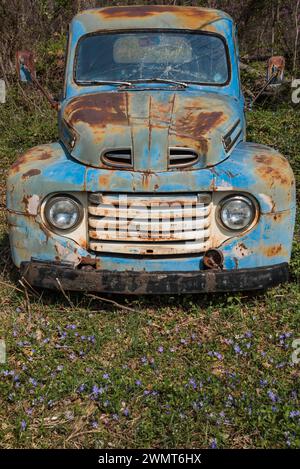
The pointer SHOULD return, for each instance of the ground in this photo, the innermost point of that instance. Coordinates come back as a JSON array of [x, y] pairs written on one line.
[[187, 372]]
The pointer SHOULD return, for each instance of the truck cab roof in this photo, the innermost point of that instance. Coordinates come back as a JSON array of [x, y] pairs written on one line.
[[151, 16]]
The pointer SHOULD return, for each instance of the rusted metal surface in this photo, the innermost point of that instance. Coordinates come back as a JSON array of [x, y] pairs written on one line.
[[147, 124], [276, 68], [151, 16], [25, 65], [136, 121], [57, 276], [213, 259]]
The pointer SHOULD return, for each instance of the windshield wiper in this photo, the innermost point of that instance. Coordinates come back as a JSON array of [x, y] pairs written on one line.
[[128, 83], [162, 80], [103, 82]]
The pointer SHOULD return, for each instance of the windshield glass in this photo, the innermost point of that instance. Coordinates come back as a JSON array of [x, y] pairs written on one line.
[[186, 57]]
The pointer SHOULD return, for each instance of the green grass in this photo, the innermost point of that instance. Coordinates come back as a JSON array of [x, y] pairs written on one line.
[[193, 371]]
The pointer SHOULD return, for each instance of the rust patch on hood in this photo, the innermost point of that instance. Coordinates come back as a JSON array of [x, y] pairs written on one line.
[[149, 121], [98, 109], [198, 124]]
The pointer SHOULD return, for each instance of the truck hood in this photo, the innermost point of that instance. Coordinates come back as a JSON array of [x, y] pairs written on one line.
[[147, 124]]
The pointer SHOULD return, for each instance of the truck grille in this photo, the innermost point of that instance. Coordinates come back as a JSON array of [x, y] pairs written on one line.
[[149, 225]]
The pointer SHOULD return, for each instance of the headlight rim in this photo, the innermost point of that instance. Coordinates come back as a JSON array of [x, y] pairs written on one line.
[[47, 206], [246, 198]]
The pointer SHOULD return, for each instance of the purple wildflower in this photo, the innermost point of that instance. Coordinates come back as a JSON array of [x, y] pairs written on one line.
[[294, 413], [33, 382], [23, 425], [228, 341], [214, 444], [81, 388], [263, 383], [237, 349], [272, 396], [192, 382], [160, 349], [96, 390]]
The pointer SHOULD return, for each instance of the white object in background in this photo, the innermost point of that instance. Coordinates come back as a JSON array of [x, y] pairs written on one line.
[[2, 351], [2, 92]]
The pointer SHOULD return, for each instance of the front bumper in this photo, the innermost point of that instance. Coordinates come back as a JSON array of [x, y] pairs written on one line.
[[56, 276]]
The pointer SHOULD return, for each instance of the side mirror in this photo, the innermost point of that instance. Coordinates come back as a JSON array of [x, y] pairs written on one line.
[[25, 66], [276, 68]]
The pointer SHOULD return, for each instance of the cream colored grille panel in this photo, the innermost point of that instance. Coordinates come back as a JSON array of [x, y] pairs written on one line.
[[149, 225]]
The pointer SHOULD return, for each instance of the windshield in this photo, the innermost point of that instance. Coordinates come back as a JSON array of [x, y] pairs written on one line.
[[137, 56]]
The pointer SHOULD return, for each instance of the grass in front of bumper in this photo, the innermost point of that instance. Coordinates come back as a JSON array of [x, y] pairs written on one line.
[[177, 373], [213, 371]]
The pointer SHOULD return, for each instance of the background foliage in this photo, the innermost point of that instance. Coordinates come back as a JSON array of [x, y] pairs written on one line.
[[266, 27]]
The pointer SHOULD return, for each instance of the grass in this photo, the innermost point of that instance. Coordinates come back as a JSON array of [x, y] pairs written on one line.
[[193, 371]]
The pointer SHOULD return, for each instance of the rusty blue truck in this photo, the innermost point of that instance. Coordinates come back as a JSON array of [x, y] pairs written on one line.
[[152, 187]]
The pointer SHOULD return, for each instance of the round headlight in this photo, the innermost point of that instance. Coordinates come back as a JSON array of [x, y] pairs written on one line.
[[237, 212], [63, 213]]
